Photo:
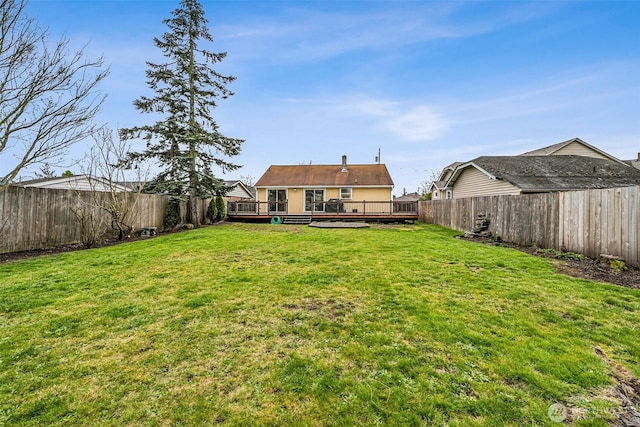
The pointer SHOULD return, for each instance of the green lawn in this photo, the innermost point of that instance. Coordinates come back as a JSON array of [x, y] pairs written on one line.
[[246, 324]]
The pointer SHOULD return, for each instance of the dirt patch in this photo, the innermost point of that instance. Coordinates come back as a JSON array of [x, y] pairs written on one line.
[[331, 309], [15, 256], [337, 224], [619, 402], [626, 391], [598, 270]]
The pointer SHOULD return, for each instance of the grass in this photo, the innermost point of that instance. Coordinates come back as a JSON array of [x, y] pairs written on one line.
[[285, 325]]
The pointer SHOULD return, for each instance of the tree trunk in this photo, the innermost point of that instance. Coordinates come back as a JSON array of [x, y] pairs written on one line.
[[192, 213], [193, 175]]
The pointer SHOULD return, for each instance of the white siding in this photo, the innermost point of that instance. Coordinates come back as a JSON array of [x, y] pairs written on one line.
[[474, 183], [577, 149], [238, 192], [78, 183]]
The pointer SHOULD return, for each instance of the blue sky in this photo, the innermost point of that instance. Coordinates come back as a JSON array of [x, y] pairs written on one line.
[[426, 82]]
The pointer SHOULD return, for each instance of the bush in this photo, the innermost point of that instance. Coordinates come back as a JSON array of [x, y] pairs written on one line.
[[571, 256], [562, 255], [172, 215], [220, 208], [618, 265], [212, 211]]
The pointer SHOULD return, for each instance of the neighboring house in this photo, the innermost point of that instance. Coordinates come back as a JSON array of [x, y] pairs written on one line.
[[238, 191], [635, 162], [409, 197], [572, 147], [75, 182], [438, 189], [306, 188], [569, 165], [494, 175]]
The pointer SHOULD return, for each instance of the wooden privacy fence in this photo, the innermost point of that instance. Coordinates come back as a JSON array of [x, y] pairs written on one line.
[[591, 222], [36, 218]]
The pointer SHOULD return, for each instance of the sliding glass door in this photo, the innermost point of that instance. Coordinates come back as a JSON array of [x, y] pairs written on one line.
[[277, 200], [313, 200]]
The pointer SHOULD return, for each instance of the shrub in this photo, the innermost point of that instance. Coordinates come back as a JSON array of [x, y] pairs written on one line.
[[220, 208], [212, 211], [570, 255], [562, 255], [618, 265], [172, 215]]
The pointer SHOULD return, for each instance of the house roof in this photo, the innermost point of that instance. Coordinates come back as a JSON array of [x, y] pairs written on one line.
[[633, 163], [74, 182], [326, 176], [409, 197], [438, 185], [554, 173], [552, 149], [446, 169]]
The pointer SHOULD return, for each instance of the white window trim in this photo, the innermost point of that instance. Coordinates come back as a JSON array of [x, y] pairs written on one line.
[[350, 193]]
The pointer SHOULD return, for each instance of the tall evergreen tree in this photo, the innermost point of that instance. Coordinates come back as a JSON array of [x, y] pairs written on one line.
[[187, 142]]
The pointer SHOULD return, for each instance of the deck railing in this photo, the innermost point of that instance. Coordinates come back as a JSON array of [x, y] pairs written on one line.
[[256, 208], [324, 208]]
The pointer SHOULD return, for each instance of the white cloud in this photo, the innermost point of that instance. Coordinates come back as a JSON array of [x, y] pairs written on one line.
[[419, 123], [410, 123]]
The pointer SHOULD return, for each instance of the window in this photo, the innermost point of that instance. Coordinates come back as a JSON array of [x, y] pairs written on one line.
[[313, 200], [345, 193], [277, 200], [449, 194]]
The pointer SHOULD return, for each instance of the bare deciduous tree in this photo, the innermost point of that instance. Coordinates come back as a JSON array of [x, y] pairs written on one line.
[[248, 180], [92, 222], [433, 175], [48, 96], [111, 186]]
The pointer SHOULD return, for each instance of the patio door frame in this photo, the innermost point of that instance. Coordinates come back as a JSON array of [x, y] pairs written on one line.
[[311, 204], [274, 198]]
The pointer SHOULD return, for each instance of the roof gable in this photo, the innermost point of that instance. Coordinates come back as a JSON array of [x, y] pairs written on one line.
[[446, 172], [574, 146], [325, 176], [238, 189]]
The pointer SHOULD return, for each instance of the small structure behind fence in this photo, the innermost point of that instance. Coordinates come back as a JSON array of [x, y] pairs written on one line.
[[591, 222]]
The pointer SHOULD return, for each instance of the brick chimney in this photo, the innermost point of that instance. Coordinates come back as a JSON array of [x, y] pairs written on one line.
[[344, 163]]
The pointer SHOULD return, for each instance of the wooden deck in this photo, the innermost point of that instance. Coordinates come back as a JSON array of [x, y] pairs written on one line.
[[367, 211]]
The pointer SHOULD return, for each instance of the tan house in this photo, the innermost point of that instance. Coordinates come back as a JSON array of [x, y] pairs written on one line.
[[324, 188], [344, 192], [569, 165]]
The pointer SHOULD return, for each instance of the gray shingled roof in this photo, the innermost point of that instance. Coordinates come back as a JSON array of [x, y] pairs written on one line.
[[554, 173], [410, 197]]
